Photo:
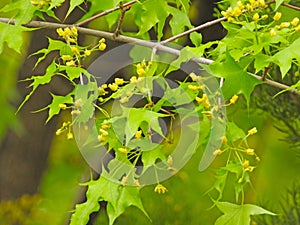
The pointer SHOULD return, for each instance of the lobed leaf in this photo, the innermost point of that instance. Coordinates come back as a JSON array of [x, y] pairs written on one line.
[[238, 214]]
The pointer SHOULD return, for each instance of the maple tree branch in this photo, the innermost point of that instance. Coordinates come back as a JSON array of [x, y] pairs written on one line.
[[126, 39], [291, 6], [200, 27], [105, 13]]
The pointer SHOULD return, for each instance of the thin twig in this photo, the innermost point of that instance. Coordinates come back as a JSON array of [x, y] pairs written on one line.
[[125, 39], [202, 26], [120, 21], [105, 13], [291, 6]]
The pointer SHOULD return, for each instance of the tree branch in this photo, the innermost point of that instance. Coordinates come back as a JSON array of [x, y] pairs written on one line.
[[200, 27], [105, 13], [125, 39]]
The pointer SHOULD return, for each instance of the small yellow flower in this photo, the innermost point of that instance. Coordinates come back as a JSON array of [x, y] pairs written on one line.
[[249, 7], [74, 31], [75, 50], [252, 131], [103, 132], [133, 79], [59, 132], [277, 16], [113, 87], [124, 180], [234, 99], [295, 21], [250, 151], [240, 180], [62, 106], [261, 3], [75, 112], [105, 126], [236, 12], [140, 71], [119, 81], [272, 32], [170, 160], [217, 152], [224, 140], [87, 52], [285, 24], [71, 63], [257, 159], [297, 28], [265, 16], [193, 87], [136, 183], [160, 189], [138, 134], [195, 77], [255, 17], [66, 57], [101, 138], [78, 103], [124, 100], [60, 32], [102, 46], [250, 168], [69, 136], [246, 163], [68, 31], [102, 40], [240, 5], [123, 150]]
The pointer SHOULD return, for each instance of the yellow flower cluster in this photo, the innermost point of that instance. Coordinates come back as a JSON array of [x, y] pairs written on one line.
[[69, 34], [142, 68], [292, 25], [104, 131], [65, 126], [160, 189], [203, 100], [241, 8], [102, 45]]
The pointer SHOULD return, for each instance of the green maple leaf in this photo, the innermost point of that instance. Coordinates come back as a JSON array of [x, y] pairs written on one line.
[[40, 80], [118, 197], [12, 35], [284, 58], [238, 214], [53, 107], [136, 116], [237, 80], [23, 11]]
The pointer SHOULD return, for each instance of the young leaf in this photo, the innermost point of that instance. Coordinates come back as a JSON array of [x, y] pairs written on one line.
[[278, 3], [149, 18], [238, 214], [73, 4], [284, 58], [14, 41], [40, 80], [127, 196], [54, 108], [24, 11], [237, 81]]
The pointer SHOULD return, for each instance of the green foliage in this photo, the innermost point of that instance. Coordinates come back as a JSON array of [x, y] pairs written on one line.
[[238, 214]]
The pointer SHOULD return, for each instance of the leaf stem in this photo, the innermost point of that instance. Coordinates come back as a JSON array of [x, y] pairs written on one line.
[[105, 13]]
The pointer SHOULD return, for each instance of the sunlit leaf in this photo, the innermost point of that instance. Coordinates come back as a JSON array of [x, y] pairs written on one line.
[[238, 214]]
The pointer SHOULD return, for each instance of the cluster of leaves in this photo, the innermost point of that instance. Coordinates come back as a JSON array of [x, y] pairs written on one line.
[[259, 36]]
